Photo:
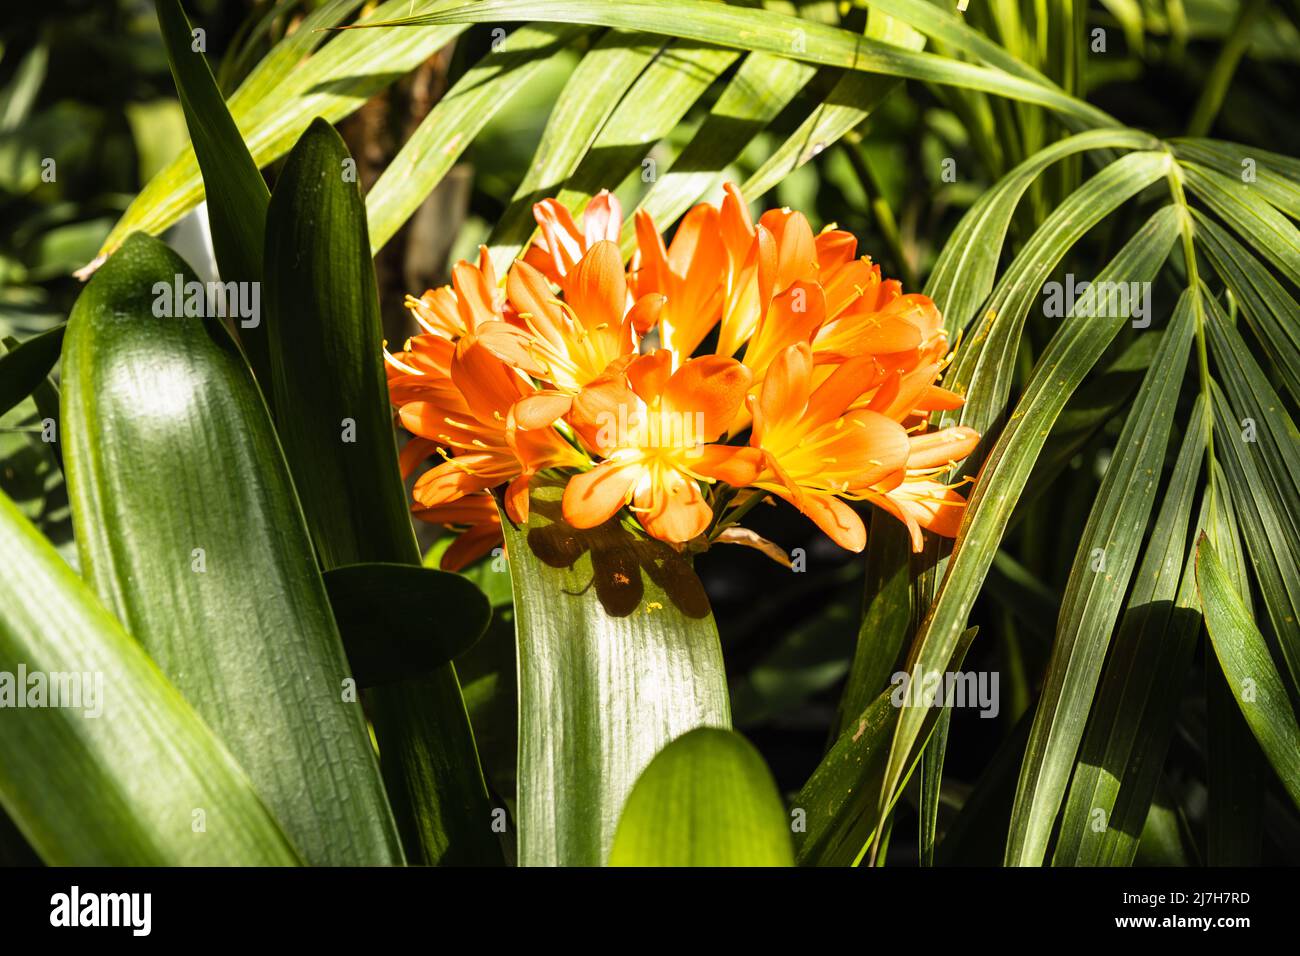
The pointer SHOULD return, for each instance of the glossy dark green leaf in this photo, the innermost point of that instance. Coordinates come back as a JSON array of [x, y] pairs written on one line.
[[400, 622], [23, 368], [329, 389], [706, 799], [189, 529], [618, 655], [237, 196]]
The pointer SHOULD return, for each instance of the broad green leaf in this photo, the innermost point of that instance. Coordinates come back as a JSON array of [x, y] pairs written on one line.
[[1133, 715], [838, 800], [1243, 654], [766, 31], [1268, 308], [116, 781], [1267, 230], [1071, 353], [706, 799], [964, 273], [237, 196], [453, 123], [188, 527], [590, 96], [329, 388], [1104, 561], [398, 622], [24, 368], [618, 655], [274, 105]]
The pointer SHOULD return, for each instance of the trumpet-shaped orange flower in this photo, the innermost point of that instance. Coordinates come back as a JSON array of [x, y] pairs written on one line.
[[477, 514], [836, 368], [654, 428], [568, 343], [563, 243], [818, 451], [469, 419]]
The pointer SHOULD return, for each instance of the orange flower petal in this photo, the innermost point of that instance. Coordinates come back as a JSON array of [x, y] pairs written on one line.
[[672, 509], [738, 466], [593, 497], [712, 387], [935, 449]]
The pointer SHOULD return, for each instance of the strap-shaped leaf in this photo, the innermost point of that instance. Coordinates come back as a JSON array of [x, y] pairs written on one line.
[[706, 799], [1133, 716], [1234, 765], [590, 96], [277, 102], [237, 196], [188, 527], [649, 111], [1276, 178], [1250, 214], [618, 655], [1268, 308], [839, 818], [765, 31], [1104, 561], [1249, 668], [984, 368], [1269, 538], [452, 124], [1071, 353], [964, 273], [759, 90], [329, 390], [121, 773], [24, 367]]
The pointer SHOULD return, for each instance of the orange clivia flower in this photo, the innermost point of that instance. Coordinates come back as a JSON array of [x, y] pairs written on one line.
[[818, 391], [653, 426]]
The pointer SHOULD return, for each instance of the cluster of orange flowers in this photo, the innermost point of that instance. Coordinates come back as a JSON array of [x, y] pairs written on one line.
[[816, 388]]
